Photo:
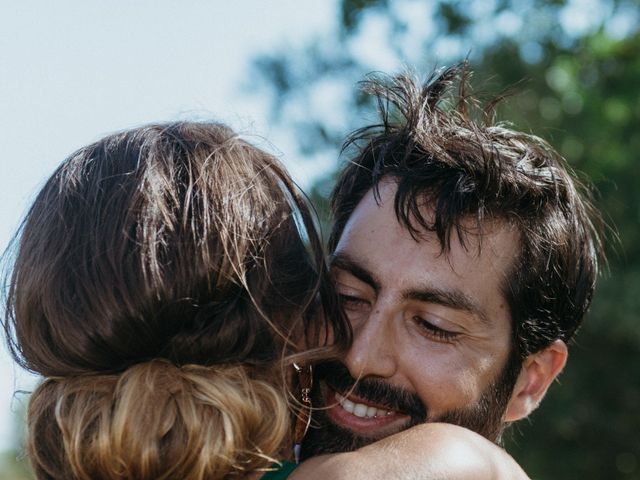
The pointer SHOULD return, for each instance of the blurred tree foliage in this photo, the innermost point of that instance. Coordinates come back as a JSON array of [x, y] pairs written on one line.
[[577, 66], [13, 463], [14, 467]]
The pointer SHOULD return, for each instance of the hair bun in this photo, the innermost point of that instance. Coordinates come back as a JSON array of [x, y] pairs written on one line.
[[156, 420]]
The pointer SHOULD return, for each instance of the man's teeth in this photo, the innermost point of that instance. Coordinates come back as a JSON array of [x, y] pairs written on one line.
[[361, 410]]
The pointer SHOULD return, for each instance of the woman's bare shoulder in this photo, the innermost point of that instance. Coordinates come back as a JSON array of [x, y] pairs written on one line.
[[429, 451]]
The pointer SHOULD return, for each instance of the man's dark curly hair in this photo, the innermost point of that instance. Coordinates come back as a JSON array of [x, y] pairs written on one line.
[[444, 150]]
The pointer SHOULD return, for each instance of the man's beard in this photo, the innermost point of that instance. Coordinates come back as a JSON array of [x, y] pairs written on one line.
[[484, 416]]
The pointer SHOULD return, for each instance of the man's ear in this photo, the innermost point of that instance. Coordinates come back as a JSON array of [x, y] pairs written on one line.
[[538, 371]]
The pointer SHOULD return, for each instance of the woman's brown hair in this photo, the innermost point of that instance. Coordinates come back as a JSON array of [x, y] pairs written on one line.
[[160, 276]]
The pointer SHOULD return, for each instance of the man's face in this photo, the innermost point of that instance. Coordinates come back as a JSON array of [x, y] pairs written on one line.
[[432, 332]]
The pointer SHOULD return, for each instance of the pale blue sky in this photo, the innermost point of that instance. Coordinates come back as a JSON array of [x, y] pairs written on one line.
[[74, 70]]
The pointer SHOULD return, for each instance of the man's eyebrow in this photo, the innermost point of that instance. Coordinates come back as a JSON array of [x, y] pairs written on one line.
[[350, 265], [448, 298]]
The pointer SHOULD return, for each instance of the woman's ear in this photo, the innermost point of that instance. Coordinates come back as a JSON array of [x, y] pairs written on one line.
[[538, 371]]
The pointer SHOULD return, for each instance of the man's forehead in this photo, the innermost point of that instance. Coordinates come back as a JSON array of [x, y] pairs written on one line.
[[469, 231]]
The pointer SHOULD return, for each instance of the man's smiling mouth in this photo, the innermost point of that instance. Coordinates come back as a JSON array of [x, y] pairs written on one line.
[[362, 417], [361, 409]]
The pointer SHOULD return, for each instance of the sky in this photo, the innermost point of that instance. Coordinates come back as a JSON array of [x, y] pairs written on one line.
[[72, 71]]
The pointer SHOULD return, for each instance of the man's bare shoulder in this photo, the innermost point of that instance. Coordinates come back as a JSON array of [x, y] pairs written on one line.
[[430, 451]]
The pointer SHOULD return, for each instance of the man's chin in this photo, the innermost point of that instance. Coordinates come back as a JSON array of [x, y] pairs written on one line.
[[344, 428], [327, 437]]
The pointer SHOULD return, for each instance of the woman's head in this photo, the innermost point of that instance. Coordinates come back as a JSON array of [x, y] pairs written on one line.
[[166, 257], [178, 241]]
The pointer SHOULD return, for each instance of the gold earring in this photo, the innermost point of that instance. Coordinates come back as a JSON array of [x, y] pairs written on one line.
[[305, 381]]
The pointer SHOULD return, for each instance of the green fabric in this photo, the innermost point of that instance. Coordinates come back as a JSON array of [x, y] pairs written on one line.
[[281, 473]]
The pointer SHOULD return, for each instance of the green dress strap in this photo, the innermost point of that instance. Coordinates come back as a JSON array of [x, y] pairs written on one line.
[[281, 473]]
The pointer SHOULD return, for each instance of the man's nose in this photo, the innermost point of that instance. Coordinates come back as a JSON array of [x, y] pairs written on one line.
[[373, 350]]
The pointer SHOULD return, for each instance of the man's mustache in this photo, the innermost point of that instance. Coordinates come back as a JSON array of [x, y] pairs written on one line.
[[375, 390]]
